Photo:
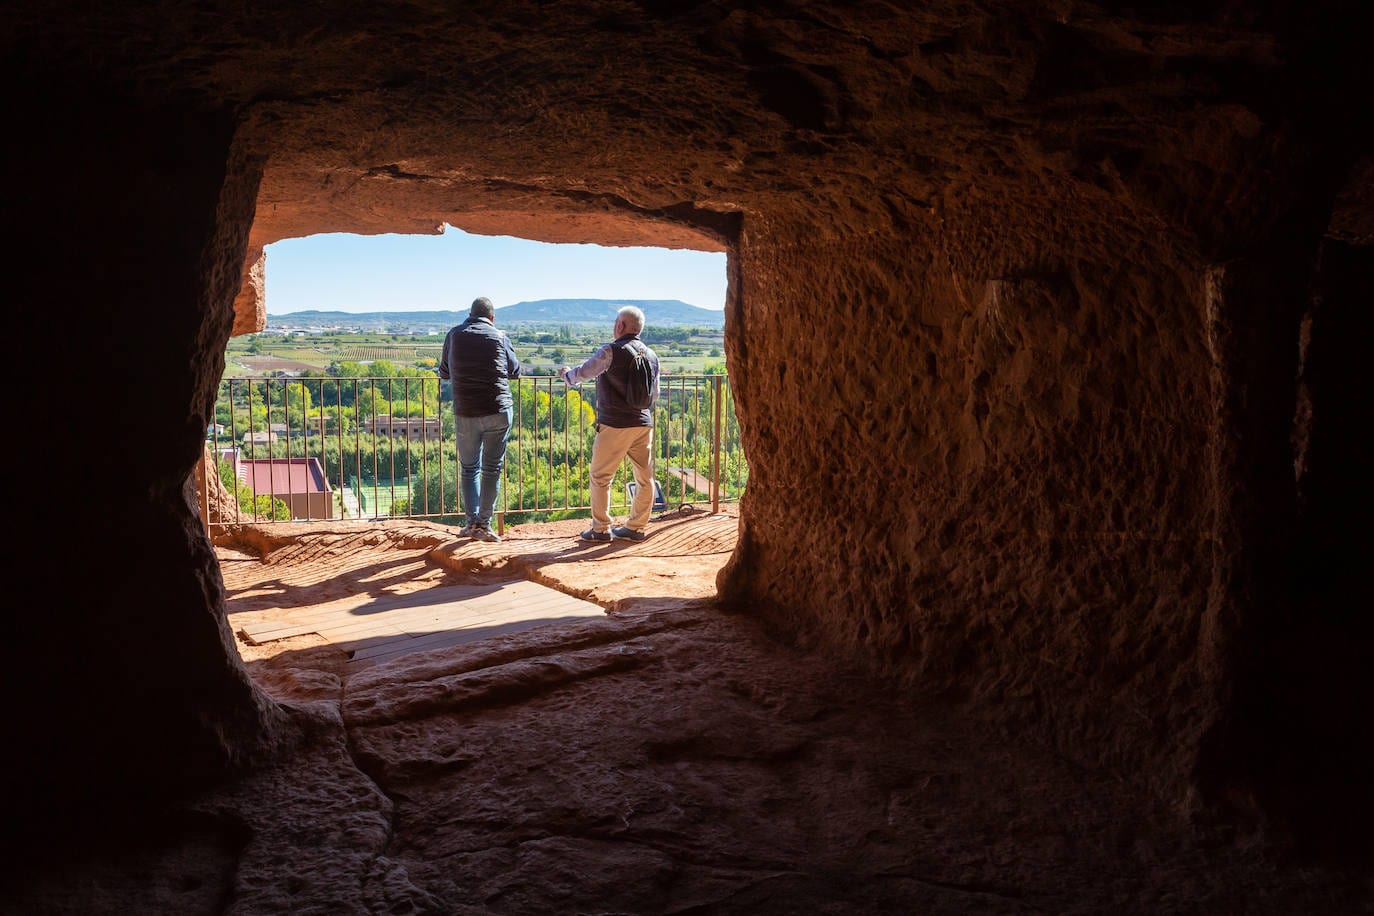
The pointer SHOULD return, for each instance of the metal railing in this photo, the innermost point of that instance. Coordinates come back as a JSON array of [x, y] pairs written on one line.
[[310, 449]]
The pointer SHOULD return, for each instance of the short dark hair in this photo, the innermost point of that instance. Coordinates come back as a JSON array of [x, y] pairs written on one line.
[[482, 308]]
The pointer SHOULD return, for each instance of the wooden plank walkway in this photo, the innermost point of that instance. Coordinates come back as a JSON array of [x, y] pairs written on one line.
[[690, 478], [374, 629]]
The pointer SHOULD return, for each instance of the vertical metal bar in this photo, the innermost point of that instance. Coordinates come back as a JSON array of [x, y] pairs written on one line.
[[728, 449], [727, 438], [550, 381], [410, 450], [566, 468], [438, 444], [305, 446], [581, 445], [372, 415], [668, 449], [236, 445], [319, 449], [324, 463], [391, 442], [682, 423], [424, 438], [439, 412], [701, 425], [548, 460], [520, 441], [338, 437], [690, 406], [311, 447], [272, 446], [305, 456], [272, 464], [534, 446], [542, 501], [410, 458], [715, 473], [271, 458], [357, 451], [512, 454], [286, 421]]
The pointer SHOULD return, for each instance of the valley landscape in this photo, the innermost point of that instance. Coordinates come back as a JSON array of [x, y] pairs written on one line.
[[546, 334]]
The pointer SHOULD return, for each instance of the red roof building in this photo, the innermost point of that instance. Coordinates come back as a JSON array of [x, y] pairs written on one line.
[[298, 482]]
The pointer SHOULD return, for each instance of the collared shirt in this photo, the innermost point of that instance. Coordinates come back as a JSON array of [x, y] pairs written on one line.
[[594, 365]]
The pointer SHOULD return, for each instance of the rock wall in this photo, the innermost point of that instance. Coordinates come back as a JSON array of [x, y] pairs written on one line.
[[125, 680], [987, 471]]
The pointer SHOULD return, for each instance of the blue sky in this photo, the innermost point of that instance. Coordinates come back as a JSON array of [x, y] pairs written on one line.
[[404, 273]]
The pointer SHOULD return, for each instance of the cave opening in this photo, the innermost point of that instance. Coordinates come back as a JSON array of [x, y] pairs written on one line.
[[351, 305], [398, 295]]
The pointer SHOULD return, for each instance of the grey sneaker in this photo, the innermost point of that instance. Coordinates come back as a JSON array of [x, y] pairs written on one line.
[[628, 534], [467, 531], [483, 533], [591, 534]]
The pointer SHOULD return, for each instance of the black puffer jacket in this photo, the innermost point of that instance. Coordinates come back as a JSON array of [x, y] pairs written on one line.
[[481, 362]]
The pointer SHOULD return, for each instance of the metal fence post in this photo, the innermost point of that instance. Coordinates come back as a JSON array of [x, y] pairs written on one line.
[[715, 452]]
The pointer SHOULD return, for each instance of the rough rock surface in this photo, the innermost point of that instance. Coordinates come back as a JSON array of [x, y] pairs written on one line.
[[668, 761], [1046, 321]]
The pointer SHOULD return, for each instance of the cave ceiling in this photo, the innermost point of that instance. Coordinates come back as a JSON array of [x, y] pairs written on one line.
[[629, 123]]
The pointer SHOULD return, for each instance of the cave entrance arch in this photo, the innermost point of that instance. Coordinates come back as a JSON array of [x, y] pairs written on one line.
[[346, 303], [685, 349]]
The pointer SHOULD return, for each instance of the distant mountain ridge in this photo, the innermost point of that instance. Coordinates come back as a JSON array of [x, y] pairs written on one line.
[[660, 312]]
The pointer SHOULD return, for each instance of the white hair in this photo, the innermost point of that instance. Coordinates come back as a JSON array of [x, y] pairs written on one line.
[[633, 316]]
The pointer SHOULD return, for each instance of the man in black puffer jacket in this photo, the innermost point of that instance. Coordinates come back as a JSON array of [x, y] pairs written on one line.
[[481, 362], [626, 373]]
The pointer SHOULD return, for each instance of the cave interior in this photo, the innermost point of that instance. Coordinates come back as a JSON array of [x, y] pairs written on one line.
[[1045, 324]]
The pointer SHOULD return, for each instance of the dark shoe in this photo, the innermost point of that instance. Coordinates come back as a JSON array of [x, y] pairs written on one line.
[[628, 534], [467, 531], [592, 534], [483, 533]]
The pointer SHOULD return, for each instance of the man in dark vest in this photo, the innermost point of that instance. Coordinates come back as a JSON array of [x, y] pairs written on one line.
[[624, 368], [481, 362]]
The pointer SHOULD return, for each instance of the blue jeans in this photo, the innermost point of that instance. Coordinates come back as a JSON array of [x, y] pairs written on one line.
[[481, 441]]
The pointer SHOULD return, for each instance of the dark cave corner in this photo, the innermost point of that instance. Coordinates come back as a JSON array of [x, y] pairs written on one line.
[[1296, 755]]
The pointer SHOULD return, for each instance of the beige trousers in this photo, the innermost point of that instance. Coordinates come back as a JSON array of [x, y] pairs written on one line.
[[611, 446]]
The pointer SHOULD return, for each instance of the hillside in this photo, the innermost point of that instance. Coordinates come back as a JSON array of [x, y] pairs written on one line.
[[658, 312]]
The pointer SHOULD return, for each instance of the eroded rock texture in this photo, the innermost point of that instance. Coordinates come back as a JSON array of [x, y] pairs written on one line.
[[1043, 413]]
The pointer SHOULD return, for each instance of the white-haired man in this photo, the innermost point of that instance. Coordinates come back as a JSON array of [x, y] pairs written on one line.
[[626, 373]]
